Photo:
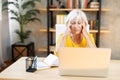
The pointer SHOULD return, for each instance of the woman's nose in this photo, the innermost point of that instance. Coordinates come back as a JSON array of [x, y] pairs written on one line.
[[76, 25]]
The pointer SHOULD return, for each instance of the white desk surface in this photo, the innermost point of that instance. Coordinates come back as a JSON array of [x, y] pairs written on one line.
[[17, 72]]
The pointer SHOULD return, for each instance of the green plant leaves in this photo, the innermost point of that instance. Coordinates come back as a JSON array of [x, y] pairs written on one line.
[[24, 13], [24, 35], [29, 4], [5, 5]]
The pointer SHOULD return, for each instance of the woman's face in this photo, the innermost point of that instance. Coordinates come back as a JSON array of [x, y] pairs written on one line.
[[75, 25]]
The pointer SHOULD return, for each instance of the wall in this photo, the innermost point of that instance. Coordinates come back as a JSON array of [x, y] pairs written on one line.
[[111, 20], [38, 37]]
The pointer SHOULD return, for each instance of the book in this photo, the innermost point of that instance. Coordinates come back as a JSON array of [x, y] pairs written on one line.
[[49, 61], [76, 3], [60, 18], [84, 3], [69, 3]]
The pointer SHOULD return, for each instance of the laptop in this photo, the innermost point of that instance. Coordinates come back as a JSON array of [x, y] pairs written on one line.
[[84, 61]]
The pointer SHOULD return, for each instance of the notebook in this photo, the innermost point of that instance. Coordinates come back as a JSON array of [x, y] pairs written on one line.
[[84, 61], [49, 61]]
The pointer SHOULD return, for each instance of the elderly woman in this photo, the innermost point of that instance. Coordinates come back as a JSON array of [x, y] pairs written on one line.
[[76, 34]]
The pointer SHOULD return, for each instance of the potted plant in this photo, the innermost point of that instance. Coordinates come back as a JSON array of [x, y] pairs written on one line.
[[24, 13]]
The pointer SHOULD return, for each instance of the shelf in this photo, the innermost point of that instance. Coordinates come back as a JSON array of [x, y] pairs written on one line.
[[45, 30], [68, 9], [91, 31], [44, 49], [43, 9], [101, 31]]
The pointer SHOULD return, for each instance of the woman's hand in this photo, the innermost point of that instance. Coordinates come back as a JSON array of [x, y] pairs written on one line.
[[84, 31], [85, 34]]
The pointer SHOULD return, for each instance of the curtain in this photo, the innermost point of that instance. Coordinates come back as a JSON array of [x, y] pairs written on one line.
[[1, 56]]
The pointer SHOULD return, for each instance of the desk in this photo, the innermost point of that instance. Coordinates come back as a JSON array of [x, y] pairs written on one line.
[[17, 72]]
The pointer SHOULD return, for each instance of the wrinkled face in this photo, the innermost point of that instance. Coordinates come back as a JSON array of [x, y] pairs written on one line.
[[75, 25]]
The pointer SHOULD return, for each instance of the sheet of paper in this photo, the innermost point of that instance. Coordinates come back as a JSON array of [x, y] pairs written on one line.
[[42, 65], [51, 60]]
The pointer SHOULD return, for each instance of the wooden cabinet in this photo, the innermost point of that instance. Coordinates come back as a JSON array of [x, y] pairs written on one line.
[[22, 49], [51, 27]]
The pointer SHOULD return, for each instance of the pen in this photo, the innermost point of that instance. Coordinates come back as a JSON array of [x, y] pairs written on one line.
[[34, 61]]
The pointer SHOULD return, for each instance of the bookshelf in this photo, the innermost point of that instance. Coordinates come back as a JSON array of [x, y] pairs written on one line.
[[51, 28]]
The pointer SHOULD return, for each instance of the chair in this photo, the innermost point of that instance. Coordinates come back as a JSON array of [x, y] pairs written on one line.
[[60, 28]]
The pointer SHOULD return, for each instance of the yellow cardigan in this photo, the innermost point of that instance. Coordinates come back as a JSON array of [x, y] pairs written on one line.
[[70, 43]]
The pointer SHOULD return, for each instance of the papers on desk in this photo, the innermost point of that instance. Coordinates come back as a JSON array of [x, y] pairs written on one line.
[[49, 61]]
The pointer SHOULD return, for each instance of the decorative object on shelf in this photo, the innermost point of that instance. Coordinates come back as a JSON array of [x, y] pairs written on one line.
[[94, 5], [53, 6], [96, 24], [93, 24], [60, 4], [24, 13]]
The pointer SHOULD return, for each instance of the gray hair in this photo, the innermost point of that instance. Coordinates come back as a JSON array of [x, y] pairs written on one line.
[[79, 14], [76, 13]]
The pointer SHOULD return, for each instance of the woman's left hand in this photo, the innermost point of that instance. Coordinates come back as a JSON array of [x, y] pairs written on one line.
[[84, 31], [85, 34]]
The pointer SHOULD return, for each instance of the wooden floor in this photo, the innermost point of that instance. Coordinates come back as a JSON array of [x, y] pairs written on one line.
[[8, 63]]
